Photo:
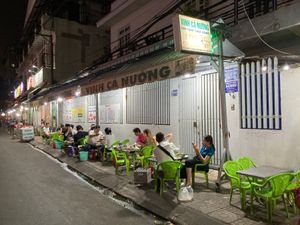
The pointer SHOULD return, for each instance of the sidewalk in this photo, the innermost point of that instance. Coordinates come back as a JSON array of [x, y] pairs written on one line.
[[207, 208]]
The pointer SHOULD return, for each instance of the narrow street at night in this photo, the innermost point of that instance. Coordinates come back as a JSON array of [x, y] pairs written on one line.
[[174, 112], [34, 189]]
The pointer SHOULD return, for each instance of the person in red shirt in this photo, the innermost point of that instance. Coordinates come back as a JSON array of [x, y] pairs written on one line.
[[140, 138]]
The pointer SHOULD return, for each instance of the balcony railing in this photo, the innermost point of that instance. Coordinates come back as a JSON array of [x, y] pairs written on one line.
[[45, 60], [231, 11]]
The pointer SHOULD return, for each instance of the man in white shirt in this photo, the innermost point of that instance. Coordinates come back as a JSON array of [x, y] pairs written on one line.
[[165, 149], [46, 130], [96, 140], [96, 137]]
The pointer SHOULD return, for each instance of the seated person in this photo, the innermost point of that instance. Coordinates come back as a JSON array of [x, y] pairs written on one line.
[[149, 140], [140, 139], [92, 128], [46, 130], [202, 157], [73, 130], [68, 136], [164, 151], [80, 134], [110, 138], [96, 140], [60, 129]]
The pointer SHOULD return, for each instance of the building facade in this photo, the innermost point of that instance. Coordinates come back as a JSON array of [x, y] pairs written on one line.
[[144, 83]]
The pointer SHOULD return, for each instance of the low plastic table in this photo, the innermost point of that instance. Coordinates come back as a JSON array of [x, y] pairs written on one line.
[[263, 172]]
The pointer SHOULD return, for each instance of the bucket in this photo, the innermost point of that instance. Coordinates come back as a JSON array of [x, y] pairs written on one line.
[[91, 155], [83, 155], [58, 144]]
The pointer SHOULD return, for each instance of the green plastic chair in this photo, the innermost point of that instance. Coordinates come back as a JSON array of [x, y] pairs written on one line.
[[197, 170], [245, 163], [295, 183], [272, 189], [120, 159], [146, 154], [54, 135], [107, 149], [125, 142], [166, 171], [83, 141], [230, 168]]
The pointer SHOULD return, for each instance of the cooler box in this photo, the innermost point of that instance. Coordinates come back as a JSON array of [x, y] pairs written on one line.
[[27, 133], [142, 175]]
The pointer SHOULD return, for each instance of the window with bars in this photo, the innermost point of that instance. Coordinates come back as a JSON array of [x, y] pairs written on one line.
[[124, 36], [260, 95], [148, 103]]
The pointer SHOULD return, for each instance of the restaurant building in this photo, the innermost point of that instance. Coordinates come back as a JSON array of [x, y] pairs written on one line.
[[147, 84]]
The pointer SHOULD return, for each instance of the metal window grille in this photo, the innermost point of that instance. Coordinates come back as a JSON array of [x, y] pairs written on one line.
[[261, 95], [91, 100], [148, 103], [111, 107]]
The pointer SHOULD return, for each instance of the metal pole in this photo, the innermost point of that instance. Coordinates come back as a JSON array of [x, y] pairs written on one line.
[[223, 96], [236, 11], [52, 61], [224, 124], [97, 108]]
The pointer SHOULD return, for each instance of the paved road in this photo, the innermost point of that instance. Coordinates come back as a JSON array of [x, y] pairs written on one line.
[[35, 190]]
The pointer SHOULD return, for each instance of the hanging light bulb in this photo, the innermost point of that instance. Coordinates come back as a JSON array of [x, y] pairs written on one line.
[[286, 67], [59, 99]]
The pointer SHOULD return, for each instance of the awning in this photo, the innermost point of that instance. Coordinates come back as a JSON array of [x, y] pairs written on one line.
[[160, 65], [119, 75]]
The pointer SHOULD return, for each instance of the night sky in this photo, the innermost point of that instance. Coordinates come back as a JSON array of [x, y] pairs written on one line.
[[12, 13]]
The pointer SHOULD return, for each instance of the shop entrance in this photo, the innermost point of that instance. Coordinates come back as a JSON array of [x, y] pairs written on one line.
[[200, 113]]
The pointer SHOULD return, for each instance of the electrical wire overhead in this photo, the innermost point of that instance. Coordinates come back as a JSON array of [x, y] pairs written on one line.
[[258, 35]]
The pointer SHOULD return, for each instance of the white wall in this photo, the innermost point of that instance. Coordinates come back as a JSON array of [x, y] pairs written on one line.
[[270, 147], [266, 147], [122, 131], [140, 17]]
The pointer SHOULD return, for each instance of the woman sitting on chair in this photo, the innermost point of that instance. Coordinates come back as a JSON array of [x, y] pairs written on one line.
[[202, 157]]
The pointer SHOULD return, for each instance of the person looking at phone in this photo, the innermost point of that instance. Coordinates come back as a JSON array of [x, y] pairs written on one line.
[[202, 156]]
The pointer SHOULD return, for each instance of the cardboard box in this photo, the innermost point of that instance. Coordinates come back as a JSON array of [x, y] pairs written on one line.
[[142, 176]]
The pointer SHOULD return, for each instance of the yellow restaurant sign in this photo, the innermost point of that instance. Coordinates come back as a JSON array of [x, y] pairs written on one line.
[[191, 34]]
